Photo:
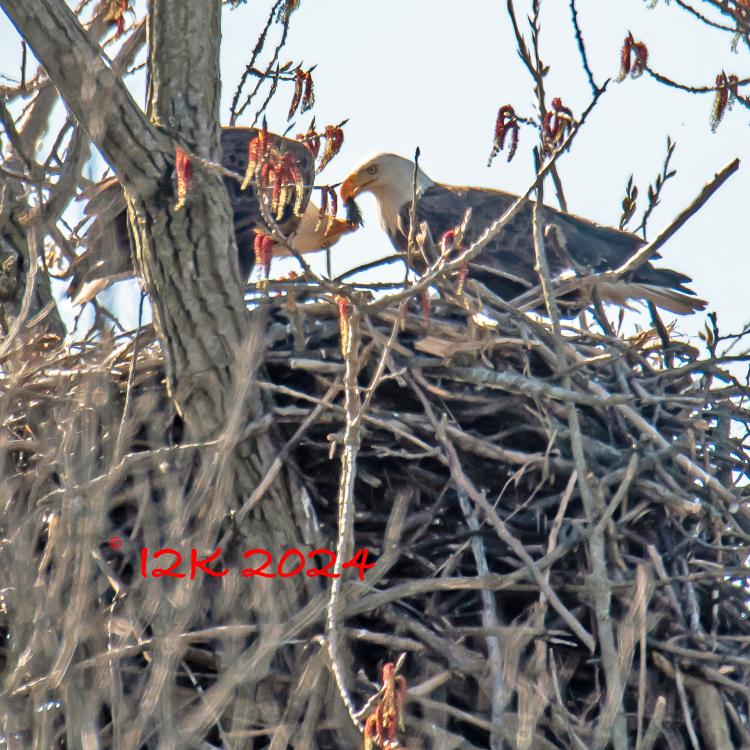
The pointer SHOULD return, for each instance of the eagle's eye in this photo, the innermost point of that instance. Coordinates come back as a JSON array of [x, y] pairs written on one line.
[[372, 169]]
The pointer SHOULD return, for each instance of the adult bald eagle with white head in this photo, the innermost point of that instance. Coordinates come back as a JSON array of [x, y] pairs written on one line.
[[506, 264]]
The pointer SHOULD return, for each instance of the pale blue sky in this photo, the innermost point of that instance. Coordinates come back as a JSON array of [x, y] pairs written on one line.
[[432, 73]]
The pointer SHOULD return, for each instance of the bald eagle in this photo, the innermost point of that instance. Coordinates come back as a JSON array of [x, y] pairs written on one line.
[[107, 257], [506, 264]]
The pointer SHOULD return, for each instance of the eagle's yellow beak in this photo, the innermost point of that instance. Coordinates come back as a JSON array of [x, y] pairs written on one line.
[[353, 185], [349, 188]]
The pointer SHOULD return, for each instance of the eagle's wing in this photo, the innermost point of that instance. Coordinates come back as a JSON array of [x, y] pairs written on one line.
[[107, 257], [507, 263], [505, 266], [603, 248]]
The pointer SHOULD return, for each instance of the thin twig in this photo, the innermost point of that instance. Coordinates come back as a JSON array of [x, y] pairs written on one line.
[[647, 252], [582, 47], [345, 539]]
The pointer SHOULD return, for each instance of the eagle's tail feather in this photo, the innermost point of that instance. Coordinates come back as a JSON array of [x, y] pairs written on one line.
[[664, 297]]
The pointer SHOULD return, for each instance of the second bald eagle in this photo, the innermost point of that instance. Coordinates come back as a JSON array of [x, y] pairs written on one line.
[[107, 257], [506, 265]]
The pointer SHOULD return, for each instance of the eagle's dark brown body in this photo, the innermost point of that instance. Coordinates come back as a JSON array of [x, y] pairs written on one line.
[[507, 263]]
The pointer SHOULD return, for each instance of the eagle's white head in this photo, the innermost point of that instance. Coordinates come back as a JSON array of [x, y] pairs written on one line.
[[390, 178]]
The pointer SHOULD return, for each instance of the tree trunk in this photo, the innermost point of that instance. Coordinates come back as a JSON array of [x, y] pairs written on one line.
[[211, 344]]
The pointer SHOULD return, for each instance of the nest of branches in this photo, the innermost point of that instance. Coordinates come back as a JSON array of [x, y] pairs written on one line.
[[558, 526]]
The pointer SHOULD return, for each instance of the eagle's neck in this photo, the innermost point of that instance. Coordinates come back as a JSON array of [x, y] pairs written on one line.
[[393, 195]]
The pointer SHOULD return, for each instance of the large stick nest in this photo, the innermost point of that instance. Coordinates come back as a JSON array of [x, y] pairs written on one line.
[[495, 561]]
